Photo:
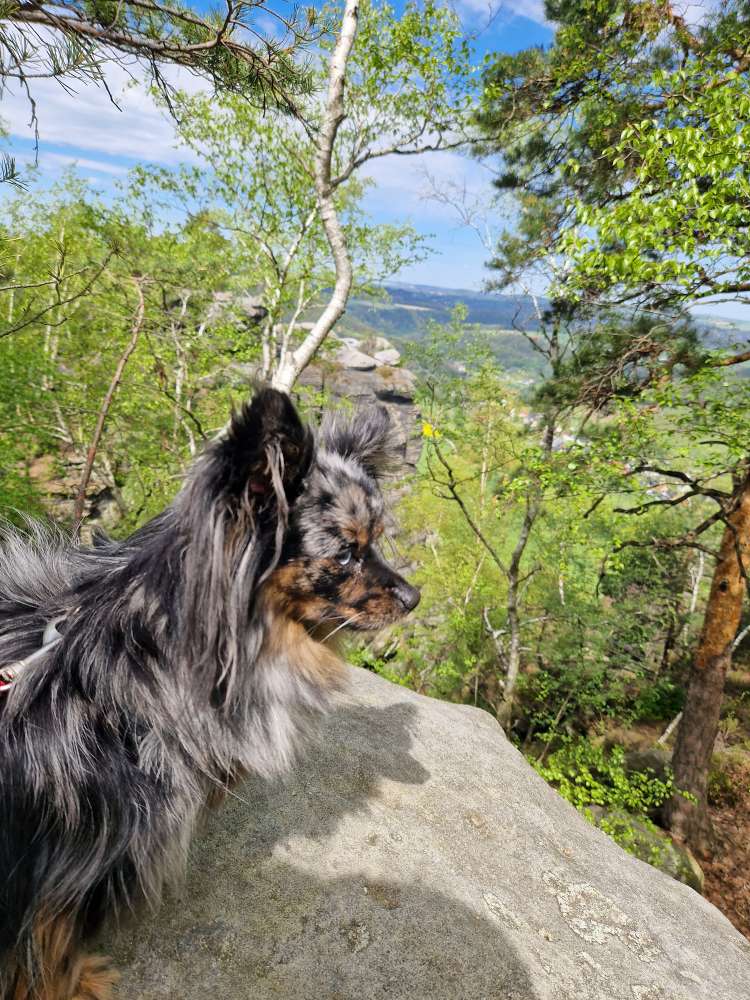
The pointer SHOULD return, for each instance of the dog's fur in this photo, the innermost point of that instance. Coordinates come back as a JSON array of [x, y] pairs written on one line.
[[194, 652]]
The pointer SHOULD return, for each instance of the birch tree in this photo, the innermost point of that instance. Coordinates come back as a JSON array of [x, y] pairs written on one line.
[[291, 190]]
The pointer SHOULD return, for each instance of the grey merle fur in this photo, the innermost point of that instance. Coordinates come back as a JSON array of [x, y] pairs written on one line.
[[172, 675]]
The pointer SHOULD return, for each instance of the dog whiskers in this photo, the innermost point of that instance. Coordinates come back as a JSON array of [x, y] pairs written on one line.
[[347, 621]]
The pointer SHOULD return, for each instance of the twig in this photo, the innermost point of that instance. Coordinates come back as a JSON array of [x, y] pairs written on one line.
[[106, 404]]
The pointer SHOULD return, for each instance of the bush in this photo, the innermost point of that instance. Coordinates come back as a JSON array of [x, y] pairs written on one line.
[[586, 774], [589, 776]]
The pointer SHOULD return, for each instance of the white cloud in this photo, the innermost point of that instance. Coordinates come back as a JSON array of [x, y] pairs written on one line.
[[403, 187], [531, 9], [62, 160], [502, 11], [86, 119]]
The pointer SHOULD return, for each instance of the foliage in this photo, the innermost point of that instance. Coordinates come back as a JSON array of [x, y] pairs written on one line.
[[603, 623], [586, 774], [625, 144], [228, 47], [680, 231], [408, 79], [67, 317]]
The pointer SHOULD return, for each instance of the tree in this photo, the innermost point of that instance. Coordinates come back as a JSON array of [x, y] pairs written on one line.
[[402, 90], [624, 142], [78, 38], [91, 377], [290, 190]]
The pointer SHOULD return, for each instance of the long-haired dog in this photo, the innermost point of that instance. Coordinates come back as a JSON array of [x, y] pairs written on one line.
[[148, 675]]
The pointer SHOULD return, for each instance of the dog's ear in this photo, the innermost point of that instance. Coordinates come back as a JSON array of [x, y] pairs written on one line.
[[366, 437], [266, 447]]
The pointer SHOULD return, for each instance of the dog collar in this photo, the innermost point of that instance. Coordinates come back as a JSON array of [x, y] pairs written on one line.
[[51, 636]]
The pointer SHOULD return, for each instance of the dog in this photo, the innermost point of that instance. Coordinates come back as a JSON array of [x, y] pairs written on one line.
[[143, 678]]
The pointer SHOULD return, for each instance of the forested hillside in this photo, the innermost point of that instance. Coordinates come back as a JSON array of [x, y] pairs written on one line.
[[578, 509], [405, 313]]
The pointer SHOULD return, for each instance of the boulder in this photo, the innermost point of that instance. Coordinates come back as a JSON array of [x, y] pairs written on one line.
[[390, 356], [413, 853], [376, 343], [647, 842], [350, 357], [390, 387], [248, 310], [651, 759]]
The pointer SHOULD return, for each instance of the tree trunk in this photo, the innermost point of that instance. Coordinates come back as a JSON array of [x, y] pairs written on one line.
[[686, 818], [135, 331], [292, 363]]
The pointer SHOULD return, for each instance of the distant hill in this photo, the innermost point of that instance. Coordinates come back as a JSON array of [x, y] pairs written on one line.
[[405, 312], [412, 306]]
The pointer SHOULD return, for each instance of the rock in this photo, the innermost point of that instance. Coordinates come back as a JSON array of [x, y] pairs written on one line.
[[349, 341], [390, 387], [650, 844], [390, 356], [376, 344], [415, 855], [350, 357], [249, 308], [652, 759]]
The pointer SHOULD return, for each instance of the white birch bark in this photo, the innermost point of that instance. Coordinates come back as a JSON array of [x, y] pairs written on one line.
[[293, 362]]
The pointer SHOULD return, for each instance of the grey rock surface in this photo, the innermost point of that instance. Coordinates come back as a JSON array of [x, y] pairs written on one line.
[[350, 357], [377, 343], [414, 854], [389, 356], [392, 388]]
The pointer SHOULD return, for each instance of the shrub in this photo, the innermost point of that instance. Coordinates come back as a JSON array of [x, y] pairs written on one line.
[[586, 774]]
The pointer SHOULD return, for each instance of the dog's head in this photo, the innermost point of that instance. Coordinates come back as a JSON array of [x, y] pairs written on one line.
[[329, 572], [319, 506]]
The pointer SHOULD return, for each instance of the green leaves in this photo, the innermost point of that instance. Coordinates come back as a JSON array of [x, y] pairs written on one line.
[[627, 143], [586, 774]]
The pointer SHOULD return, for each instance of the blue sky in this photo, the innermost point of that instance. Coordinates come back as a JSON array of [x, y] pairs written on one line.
[[86, 129]]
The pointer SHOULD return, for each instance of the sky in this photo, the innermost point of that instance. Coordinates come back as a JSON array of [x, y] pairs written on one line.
[[83, 127]]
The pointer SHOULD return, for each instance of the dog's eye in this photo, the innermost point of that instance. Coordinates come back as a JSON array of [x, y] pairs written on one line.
[[344, 558]]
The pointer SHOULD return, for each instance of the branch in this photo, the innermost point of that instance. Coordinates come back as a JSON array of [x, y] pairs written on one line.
[[58, 303], [160, 33], [734, 359], [104, 409], [451, 486]]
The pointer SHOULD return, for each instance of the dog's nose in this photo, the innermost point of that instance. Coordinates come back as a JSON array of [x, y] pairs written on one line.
[[408, 596]]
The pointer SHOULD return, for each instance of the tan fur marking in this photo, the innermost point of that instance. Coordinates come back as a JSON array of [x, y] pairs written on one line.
[[95, 979], [278, 590], [314, 658], [65, 975], [356, 533]]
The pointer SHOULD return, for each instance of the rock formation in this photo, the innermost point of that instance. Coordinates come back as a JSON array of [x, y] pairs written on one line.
[[415, 855]]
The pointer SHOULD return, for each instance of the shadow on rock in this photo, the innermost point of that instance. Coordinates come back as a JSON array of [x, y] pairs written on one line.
[[291, 936], [265, 913], [340, 773]]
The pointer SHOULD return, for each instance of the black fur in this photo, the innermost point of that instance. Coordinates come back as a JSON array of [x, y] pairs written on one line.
[[168, 680]]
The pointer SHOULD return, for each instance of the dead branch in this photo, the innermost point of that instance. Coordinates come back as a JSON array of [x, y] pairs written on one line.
[[105, 407]]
